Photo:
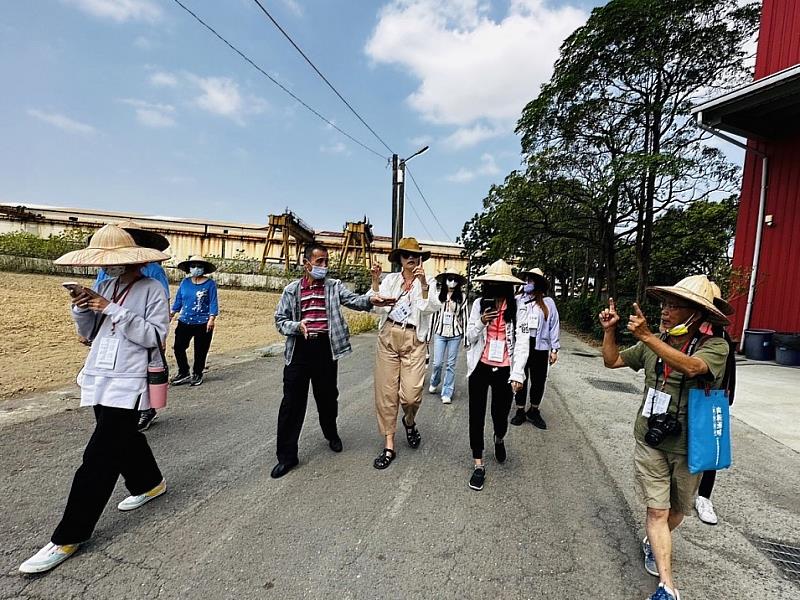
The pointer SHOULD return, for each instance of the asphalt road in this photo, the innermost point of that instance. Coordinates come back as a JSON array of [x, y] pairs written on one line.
[[558, 520]]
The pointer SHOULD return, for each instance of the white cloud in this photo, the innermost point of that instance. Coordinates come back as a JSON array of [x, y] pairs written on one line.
[[119, 10], [150, 114], [143, 43], [421, 140], [221, 96], [62, 122], [488, 167], [163, 79], [474, 71], [335, 148], [293, 6]]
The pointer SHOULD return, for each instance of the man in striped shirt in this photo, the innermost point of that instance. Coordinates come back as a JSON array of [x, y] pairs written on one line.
[[310, 315]]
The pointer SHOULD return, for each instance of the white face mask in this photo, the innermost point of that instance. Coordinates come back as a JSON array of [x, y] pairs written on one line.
[[196, 271], [452, 283], [115, 271]]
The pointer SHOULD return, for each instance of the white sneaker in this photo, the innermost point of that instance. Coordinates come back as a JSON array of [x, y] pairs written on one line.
[[446, 399], [48, 557], [432, 389], [705, 510], [133, 502]]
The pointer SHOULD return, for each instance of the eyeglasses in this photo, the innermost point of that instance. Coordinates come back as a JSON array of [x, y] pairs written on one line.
[[670, 306]]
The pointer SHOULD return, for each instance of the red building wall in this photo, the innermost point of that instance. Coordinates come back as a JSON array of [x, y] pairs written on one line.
[[776, 304]]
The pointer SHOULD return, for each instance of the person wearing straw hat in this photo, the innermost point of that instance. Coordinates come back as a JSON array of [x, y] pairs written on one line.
[[125, 320], [403, 332], [447, 329], [544, 328], [679, 358], [197, 305], [154, 270], [497, 334]]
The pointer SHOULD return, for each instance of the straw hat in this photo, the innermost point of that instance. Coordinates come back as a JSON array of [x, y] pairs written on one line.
[[408, 245], [111, 245], [142, 237], [540, 283], [696, 289], [196, 259], [720, 302], [499, 272], [451, 272]]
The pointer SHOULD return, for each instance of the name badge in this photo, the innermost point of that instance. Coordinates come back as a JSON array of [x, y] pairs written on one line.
[[656, 403], [401, 312], [497, 350], [447, 319], [107, 350], [533, 320]]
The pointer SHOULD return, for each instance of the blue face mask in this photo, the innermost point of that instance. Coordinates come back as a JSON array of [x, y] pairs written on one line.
[[528, 288], [319, 272], [196, 271]]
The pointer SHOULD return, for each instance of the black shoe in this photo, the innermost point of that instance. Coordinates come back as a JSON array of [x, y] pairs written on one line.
[[282, 469], [476, 481], [535, 417], [181, 378], [413, 436], [146, 418], [336, 444], [519, 417], [197, 379], [499, 450]]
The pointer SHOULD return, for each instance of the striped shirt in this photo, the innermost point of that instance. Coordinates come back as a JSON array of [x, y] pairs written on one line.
[[312, 305]]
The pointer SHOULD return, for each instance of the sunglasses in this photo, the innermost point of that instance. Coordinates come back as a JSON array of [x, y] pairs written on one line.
[[407, 255], [671, 306]]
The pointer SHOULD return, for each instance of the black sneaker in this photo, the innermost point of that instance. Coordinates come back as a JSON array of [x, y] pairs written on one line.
[[518, 418], [535, 417], [499, 450], [146, 418], [181, 378], [476, 481], [197, 380]]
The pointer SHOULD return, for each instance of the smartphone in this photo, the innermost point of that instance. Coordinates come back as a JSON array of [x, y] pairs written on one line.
[[486, 304], [73, 287]]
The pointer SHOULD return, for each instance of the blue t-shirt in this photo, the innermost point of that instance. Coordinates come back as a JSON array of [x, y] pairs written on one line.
[[151, 270], [196, 302]]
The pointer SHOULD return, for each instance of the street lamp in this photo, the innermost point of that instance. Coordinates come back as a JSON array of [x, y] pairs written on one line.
[[399, 193]]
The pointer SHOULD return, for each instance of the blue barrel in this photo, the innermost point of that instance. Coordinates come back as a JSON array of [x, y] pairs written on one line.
[[787, 349], [758, 344]]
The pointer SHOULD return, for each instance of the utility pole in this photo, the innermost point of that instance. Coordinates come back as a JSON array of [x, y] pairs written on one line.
[[395, 238], [399, 197]]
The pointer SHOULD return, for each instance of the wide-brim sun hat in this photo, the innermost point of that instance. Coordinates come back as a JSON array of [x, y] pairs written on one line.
[[142, 237], [499, 272], [408, 245], [111, 245], [720, 302], [540, 283], [196, 259], [451, 273], [696, 289]]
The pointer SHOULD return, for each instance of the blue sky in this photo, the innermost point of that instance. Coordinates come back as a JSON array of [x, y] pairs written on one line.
[[131, 105]]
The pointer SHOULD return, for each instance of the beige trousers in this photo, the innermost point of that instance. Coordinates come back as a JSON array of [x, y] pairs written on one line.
[[399, 375]]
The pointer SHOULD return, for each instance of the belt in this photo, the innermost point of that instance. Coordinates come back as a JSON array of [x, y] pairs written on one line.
[[314, 335], [403, 325]]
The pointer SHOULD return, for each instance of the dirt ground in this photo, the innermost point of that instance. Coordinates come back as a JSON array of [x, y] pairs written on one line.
[[38, 344]]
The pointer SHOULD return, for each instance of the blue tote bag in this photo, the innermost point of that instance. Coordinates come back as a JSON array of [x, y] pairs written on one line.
[[709, 430]]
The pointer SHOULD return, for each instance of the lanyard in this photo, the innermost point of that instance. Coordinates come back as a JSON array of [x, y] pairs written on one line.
[[119, 296], [662, 367]]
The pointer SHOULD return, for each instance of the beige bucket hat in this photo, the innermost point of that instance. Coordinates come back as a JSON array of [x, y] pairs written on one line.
[[499, 272], [111, 245], [408, 245], [696, 289], [196, 259], [451, 272], [540, 281]]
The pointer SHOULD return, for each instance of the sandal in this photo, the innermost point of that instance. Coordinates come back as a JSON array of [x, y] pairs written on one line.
[[384, 459], [412, 434]]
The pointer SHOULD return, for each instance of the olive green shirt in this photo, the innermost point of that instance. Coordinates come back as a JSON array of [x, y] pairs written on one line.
[[713, 351]]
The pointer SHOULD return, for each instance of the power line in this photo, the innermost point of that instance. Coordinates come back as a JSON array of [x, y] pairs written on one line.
[[433, 214], [325, 79], [421, 222], [280, 85]]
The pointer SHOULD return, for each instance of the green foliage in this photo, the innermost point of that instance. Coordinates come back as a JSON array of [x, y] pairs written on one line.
[[21, 243]]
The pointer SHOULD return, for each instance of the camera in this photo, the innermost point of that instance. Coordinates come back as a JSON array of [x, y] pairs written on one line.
[[659, 427]]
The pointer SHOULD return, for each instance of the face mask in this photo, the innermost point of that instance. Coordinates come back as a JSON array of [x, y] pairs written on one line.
[[452, 283], [528, 288], [196, 271], [681, 329], [115, 271], [319, 272]]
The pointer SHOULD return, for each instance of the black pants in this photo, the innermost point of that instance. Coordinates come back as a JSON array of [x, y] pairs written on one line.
[[115, 448], [707, 484], [312, 362], [481, 379], [535, 372], [202, 342]]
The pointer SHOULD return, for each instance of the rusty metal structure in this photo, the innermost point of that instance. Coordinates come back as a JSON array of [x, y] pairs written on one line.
[[356, 246], [289, 233]]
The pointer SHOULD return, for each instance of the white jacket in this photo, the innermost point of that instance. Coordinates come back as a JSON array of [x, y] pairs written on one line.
[[518, 353], [391, 287]]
